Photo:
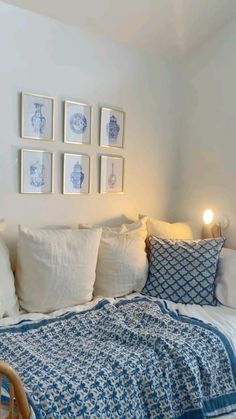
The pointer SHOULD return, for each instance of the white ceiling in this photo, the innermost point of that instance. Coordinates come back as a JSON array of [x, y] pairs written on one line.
[[172, 27]]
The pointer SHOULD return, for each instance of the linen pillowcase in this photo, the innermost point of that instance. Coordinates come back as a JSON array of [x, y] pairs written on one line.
[[226, 278], [183, 271], [165, 230], [137, 227], [8, 301], [122, 265], [55, 268]]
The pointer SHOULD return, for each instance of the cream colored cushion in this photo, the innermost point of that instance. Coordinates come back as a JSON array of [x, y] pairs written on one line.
[[165, 230], [122, 261], [137, 227], [55, 268], [226, 278], [8, 301], [122, 265]]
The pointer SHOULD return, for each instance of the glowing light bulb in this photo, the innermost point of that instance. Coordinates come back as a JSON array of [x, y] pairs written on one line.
[[208, 216]]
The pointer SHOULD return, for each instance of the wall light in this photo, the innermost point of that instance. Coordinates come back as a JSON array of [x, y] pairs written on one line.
[[219, 221], [208, 216]]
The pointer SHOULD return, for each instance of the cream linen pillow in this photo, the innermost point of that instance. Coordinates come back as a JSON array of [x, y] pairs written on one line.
[[122, 261], [8, 302], [137, 227], [55, 268], [165, 230], [226, 278], [122, 265]]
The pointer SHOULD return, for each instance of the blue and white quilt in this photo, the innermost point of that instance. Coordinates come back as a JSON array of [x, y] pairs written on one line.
[[133, 359]]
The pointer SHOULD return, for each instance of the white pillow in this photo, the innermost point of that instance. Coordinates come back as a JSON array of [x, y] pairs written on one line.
[[137, 227], [165, 230], [8, 302], [122, 265], [122, 261], [55, 268], [226, 278]]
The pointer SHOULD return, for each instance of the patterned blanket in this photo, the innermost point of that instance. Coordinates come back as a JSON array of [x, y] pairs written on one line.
[[135, 359]]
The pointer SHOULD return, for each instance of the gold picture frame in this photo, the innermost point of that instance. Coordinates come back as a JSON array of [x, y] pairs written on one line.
[[36, 124], [77, 123], [112, 170], [112, 127], [76, 174], [37, 171]]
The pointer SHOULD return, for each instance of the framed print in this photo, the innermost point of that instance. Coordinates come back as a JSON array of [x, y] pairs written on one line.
[[37, 117], [112, 174], [76, 174], [36, 171], [77, 123], [112, 125]]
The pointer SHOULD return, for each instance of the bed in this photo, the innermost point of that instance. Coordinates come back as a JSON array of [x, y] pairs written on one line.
[[137, 356], [134, 357]]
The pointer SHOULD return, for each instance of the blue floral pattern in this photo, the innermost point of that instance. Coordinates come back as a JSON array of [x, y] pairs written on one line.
[[37, 174], [134, 359], [113, 129], [78, 123], [77, 176], [38, 120]]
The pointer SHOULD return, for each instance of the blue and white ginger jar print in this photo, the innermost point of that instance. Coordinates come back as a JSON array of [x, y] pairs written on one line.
[[78, 123], [37, 174], [38, 121], [113, 129], [77, 176]]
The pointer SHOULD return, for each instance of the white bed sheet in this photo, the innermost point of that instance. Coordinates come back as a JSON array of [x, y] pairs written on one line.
[[224, 318], [9, 321]]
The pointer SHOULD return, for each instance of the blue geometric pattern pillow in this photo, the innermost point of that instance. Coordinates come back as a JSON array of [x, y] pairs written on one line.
[[183, 271]]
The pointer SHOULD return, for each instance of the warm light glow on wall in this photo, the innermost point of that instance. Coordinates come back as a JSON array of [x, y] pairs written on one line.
[[208, 216]]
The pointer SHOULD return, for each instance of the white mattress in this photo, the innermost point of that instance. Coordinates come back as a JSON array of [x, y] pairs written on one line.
[[222, 317]]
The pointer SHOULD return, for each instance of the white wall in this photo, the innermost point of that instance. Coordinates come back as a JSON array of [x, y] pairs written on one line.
[[46, 57], [207, 134]]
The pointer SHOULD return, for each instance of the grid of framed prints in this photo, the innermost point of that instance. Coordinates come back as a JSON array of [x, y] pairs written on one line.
[[37, 166]]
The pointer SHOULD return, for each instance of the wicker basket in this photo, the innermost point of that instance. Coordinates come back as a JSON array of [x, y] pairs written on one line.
[[18, 406]]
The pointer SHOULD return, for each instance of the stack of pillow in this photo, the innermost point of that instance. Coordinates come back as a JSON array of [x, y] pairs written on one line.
[[58, 268], [62, 268]]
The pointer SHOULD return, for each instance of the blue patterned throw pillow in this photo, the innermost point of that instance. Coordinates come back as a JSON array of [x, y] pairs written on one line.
[[183, 271]]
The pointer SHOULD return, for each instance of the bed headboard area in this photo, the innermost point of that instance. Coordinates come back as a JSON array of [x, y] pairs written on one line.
[[10, 232]]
